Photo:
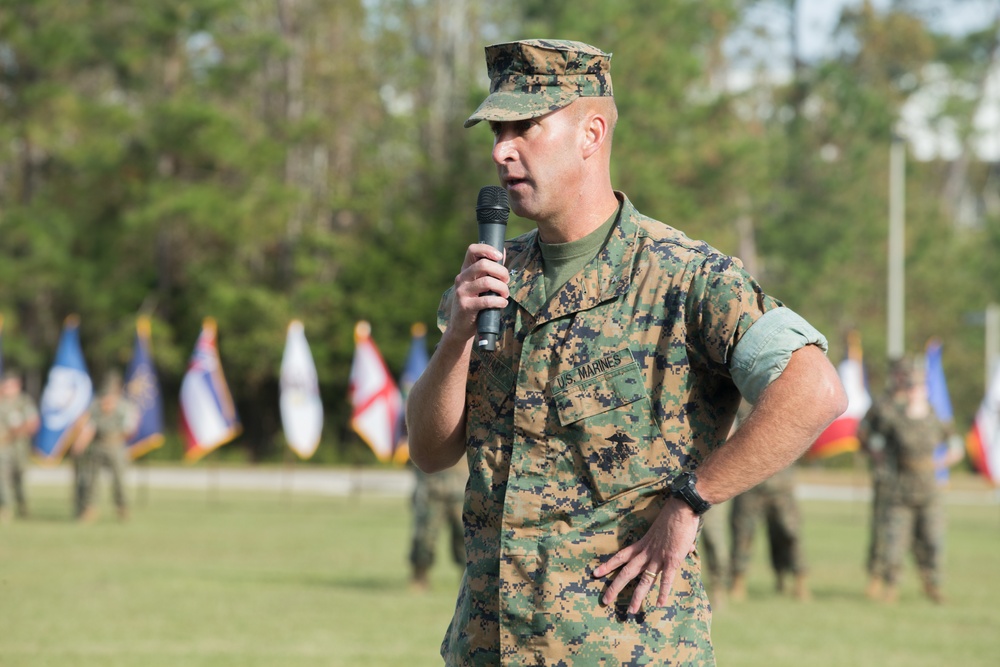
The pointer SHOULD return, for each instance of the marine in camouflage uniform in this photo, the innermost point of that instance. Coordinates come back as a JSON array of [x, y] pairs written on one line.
[[883, 467], [18, 423], [713, 545], [773, 503], [913, 510], [103, 441], [437, 504], [607, 382]]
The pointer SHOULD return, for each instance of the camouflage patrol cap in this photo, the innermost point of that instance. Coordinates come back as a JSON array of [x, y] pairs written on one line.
[[532, 77], [906, 372], [112, 383]]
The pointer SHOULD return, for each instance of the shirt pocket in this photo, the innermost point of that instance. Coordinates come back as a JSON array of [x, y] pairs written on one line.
[[607, 424]]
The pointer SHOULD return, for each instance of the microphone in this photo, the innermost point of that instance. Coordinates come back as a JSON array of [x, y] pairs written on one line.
[[491, 214]]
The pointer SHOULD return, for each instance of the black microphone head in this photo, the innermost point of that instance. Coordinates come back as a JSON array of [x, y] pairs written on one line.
[[492, 205]]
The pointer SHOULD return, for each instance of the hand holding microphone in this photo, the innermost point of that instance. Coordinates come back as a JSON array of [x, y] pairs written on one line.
[[492, 210]]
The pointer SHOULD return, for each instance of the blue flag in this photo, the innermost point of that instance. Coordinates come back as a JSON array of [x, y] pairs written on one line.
[[937, 394], [142, 388], [416, 359], [67, 395], [416, 362]]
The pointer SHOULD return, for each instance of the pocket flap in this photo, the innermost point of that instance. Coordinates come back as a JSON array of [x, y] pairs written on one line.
[[598, 386]]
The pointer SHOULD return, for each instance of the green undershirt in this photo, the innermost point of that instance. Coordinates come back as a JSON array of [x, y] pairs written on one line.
[[562, 261]]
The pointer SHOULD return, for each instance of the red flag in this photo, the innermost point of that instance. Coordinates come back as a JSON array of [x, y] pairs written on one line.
[[842, 435], [983, 441], [375, 400]]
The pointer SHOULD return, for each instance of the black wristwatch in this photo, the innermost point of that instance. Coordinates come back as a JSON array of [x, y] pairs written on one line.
[[683, 487]]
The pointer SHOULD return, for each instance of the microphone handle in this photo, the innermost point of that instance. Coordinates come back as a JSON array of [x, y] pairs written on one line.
[[488, 321]]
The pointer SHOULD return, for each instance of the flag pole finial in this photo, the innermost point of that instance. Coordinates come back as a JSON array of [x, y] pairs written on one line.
[[144, 326]]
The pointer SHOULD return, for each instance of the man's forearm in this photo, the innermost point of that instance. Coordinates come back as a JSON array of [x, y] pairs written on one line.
[[435, 408], [791, 412]]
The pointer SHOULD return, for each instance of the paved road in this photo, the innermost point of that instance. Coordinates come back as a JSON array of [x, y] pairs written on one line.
[[397, 483], [322, 481]]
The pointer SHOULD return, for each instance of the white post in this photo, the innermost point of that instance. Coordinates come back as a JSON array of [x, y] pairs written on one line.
[[992, 341], [897, 260]]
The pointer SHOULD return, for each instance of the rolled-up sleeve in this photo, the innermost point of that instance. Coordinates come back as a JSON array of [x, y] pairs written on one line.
[[764, 350]]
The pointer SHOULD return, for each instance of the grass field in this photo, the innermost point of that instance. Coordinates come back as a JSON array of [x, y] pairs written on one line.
[[248, 579]]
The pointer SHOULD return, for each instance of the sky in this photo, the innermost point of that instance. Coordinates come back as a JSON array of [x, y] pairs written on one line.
[[817, 20]]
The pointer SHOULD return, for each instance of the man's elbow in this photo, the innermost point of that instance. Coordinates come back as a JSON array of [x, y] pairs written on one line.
[[420, 457], [832, 398], [429, 453], [429, 463]]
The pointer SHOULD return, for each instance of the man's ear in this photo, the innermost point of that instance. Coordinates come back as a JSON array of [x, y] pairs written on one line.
[[595, 133]]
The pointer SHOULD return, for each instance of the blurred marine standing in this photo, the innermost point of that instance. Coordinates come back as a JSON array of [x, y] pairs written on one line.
[[913, 512], [883, 468], [102, 443], [18, 423], [437, 503], [773, 503]]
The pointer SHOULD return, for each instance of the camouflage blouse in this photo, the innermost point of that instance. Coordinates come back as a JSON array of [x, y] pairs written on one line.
[[592, 402], [113, 428]]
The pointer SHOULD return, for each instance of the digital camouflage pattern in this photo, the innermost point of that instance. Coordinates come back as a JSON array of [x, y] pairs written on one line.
[[594, 400], [773, 503], [883, 471], [107, 449], [15, 448], [912, 498], [532, 77], [713, 544], [437, 503]]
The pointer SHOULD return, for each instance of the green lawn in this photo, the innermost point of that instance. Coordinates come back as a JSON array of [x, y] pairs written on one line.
[[242, 579]]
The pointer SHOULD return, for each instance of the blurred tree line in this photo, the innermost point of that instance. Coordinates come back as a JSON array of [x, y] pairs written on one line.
[[263, 160]]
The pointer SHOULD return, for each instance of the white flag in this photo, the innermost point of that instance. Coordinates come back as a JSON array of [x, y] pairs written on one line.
[[301, 407]]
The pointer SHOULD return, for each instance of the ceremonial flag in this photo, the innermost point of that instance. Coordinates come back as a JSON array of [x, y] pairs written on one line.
[[842, 435], [416, 362], [66, 396], [375, 401], [937, 394], [208, 416], [983, 441], [301, 407], [142, 389]]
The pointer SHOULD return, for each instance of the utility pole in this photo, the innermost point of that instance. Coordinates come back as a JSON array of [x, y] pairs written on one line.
[[992, 341], [897, 260]]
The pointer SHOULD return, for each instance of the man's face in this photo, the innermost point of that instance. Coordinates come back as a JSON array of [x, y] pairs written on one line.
[[539, 162], [10, 387], [917, 392], [109, 401]]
